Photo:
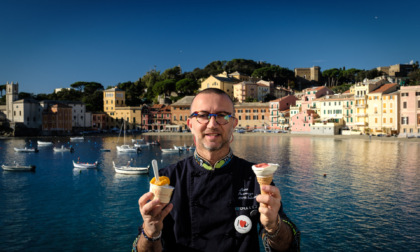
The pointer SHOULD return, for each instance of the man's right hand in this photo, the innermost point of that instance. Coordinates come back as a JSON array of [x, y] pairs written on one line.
[[153, 212]]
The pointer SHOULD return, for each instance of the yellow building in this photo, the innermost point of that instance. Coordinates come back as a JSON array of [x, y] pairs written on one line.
[[376, 106], [361, 92], [244, 90], [115, 107], [252, 115], [337, 108], [223, 83]]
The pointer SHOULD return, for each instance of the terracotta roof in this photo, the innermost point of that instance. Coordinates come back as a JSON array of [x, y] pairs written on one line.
[[283, 98], [384, 88]]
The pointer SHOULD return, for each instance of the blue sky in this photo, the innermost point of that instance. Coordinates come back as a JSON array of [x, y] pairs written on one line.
[[49, 44]]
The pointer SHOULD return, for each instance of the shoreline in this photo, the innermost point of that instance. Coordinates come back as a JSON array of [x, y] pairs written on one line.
[[247, 134], [257, 134]]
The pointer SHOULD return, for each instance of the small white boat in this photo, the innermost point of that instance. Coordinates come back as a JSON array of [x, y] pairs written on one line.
[[137, 140], [171, 150], [42, 143], [72, 139], [128, 149], [130, 170], [63, 149], [17, 167], [85, 165], [26, 149]]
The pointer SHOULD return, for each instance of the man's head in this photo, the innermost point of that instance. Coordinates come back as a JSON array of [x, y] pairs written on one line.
[[212, 134]]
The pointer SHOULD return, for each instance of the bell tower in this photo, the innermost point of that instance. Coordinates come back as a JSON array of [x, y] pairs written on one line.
[[12, 91]]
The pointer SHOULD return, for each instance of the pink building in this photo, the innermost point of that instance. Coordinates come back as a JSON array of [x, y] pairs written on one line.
[[278, 117], [410, 110], [302, 122]]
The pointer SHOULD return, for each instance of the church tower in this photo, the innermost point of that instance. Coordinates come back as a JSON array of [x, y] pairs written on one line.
[[12, 91]]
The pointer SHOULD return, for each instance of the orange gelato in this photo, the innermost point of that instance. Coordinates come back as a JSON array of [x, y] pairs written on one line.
[[163, 180]]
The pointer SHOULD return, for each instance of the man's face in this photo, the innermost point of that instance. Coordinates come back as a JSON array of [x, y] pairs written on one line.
[[212, 136]]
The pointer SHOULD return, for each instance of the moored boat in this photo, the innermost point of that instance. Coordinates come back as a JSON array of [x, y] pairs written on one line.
[[63, 149], [130, 170], [85, 165], [43, 143], [72, 139], [18, 167], [26, 149], [171, 150]]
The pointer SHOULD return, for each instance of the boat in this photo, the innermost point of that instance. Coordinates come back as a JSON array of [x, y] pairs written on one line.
[[43, 143], [171, 150], [18, 167], [85, 165], [125, 148], [26, 149], [63, 149], [72, 139], [131, 170], [137, 140], [139, 144]]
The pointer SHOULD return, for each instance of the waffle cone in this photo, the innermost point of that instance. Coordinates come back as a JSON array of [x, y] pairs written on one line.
[[264, 181]]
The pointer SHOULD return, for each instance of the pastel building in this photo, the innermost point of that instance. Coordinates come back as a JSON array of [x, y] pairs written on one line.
[[180, 111], [57, 118], [375, 108], [336, 108], [410, 110], [361, 91], [244, 90], [222, 82], [252, 115], [278, 108], [391, 113]]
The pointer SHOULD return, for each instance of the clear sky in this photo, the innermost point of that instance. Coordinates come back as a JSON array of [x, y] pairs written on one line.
[[47, 44]]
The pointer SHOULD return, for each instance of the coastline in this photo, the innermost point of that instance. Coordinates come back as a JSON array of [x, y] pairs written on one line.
[[259, 134], [253, 134]]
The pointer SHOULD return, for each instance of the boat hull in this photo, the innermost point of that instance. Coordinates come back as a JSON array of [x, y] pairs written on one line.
[[18, 167], [130, 170]]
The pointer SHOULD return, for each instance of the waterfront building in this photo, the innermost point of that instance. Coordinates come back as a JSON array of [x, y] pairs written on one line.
[[280, 112], [375, 106], [180, 111], [100, 121], [115, 106], [57, 118], [301, 123], [156, 117], [391, 113], [337, 107], [252, 115], [410, 110], [361, 91]]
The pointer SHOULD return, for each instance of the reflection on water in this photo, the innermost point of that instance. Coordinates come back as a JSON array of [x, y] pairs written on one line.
[[369, 198]]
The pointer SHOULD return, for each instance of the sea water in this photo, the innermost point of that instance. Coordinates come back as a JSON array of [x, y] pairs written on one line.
[[343, 194]]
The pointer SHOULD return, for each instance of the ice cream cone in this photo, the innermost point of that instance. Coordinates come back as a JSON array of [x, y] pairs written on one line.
[[264, 181]]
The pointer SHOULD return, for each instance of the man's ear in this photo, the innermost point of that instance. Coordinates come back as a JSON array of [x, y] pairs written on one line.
[[189, 124], [235, 123]]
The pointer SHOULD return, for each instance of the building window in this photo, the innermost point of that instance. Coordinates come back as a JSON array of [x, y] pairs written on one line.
[[174, 118], [405, 105]]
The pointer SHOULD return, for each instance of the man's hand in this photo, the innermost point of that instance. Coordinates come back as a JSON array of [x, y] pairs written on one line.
[[270, 208], [153, 212]]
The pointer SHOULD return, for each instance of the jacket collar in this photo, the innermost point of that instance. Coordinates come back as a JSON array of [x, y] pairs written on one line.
[[219, 164]]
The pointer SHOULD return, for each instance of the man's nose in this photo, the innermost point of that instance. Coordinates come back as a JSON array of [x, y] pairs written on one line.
[[212, 122]]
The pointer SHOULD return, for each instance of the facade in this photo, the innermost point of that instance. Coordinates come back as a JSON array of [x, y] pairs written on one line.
[[410, 110], [244, 90], [100, 121], [27, 112], [118, 111], [264, 88], [57, 118], [302, 122], [329, 127], [252, 115], [156, 117], [375, 108], [390, 113], [309, 74], [180, 111], [336, 108], [361, 91], [278, 116], [220, 82], [12, 92]]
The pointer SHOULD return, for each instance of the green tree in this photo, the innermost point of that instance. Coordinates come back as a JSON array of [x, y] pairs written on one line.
[[414, 77], [174, 73], [94, 102], [150, 78], [186, 86], [164, 87]]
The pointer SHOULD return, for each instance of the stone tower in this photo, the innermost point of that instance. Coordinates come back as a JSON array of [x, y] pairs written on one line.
[[12, 91]]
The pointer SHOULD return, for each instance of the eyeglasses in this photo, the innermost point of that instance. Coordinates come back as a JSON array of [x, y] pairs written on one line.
[[203, 117]]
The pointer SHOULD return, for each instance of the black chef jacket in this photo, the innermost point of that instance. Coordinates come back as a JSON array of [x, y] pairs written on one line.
[[206, 204]]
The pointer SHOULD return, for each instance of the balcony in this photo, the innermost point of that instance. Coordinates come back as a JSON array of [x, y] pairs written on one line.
[[361, 105], [361, 115]]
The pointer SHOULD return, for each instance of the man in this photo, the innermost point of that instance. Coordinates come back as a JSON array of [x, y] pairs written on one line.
[[215, 205]]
